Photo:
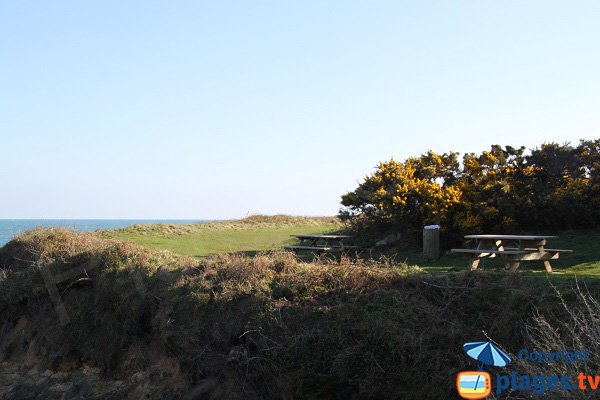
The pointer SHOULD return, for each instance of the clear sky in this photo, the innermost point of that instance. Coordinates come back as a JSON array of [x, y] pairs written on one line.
[[198, 109]]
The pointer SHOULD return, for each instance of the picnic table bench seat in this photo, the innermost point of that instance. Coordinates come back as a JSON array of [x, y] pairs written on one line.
[[489, 251], [321, 248], [547, 250]]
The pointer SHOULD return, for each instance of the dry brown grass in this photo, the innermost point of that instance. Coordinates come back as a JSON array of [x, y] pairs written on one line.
[[578, 329]]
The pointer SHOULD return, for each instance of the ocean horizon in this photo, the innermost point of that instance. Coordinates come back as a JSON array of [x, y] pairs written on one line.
[[12, 227]]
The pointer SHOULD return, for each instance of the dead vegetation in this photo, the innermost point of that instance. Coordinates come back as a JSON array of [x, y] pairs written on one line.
[[269, 326], [577, 330]]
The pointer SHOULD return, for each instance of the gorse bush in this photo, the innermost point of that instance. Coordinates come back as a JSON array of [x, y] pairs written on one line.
[[504, 189]]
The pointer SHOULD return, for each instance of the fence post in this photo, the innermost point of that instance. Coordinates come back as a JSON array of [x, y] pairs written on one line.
[[431, 242]]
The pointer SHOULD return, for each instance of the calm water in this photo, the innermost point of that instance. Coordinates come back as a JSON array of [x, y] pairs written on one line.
[[11, 227]]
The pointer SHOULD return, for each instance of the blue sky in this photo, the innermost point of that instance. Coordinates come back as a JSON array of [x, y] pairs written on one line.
[[192, 109]]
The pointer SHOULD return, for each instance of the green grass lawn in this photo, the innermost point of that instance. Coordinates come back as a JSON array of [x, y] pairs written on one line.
[[249, 235], [265, 233]]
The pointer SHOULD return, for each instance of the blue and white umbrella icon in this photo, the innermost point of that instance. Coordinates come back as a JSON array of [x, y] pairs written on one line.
[[487, 353]]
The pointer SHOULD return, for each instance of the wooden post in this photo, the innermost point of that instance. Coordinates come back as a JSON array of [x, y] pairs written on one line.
[[431, 242]]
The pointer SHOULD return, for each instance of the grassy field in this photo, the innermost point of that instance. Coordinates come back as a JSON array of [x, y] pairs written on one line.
[[259, 233], [249, 235]]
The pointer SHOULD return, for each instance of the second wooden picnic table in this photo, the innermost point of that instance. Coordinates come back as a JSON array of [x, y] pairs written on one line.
[[512, 249], [322, 243]]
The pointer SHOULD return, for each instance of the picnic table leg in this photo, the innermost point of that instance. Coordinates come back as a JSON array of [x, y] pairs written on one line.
[[474, 262], [500, 246], [546, 262], [511, 265]]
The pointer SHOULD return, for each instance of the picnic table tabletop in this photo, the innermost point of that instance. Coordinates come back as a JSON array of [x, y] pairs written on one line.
[[322, 236], [511, 237]]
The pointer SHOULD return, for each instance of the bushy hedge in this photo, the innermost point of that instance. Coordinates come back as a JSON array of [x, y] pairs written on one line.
[[555, 186]]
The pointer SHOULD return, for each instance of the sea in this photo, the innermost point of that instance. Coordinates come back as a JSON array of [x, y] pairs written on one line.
[[11, 227]]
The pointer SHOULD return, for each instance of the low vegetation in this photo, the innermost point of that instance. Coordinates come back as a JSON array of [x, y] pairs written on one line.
[[268, 326], [578, 329]]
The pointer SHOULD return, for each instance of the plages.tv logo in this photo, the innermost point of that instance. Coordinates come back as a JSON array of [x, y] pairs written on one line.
[[478, 384]]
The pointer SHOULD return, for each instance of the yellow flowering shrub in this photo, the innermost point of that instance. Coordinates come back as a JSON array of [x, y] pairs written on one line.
[[419, 189], [500, 190]]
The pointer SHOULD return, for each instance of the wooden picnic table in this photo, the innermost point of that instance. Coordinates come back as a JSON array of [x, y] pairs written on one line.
[[512, 249], [323, 243]]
